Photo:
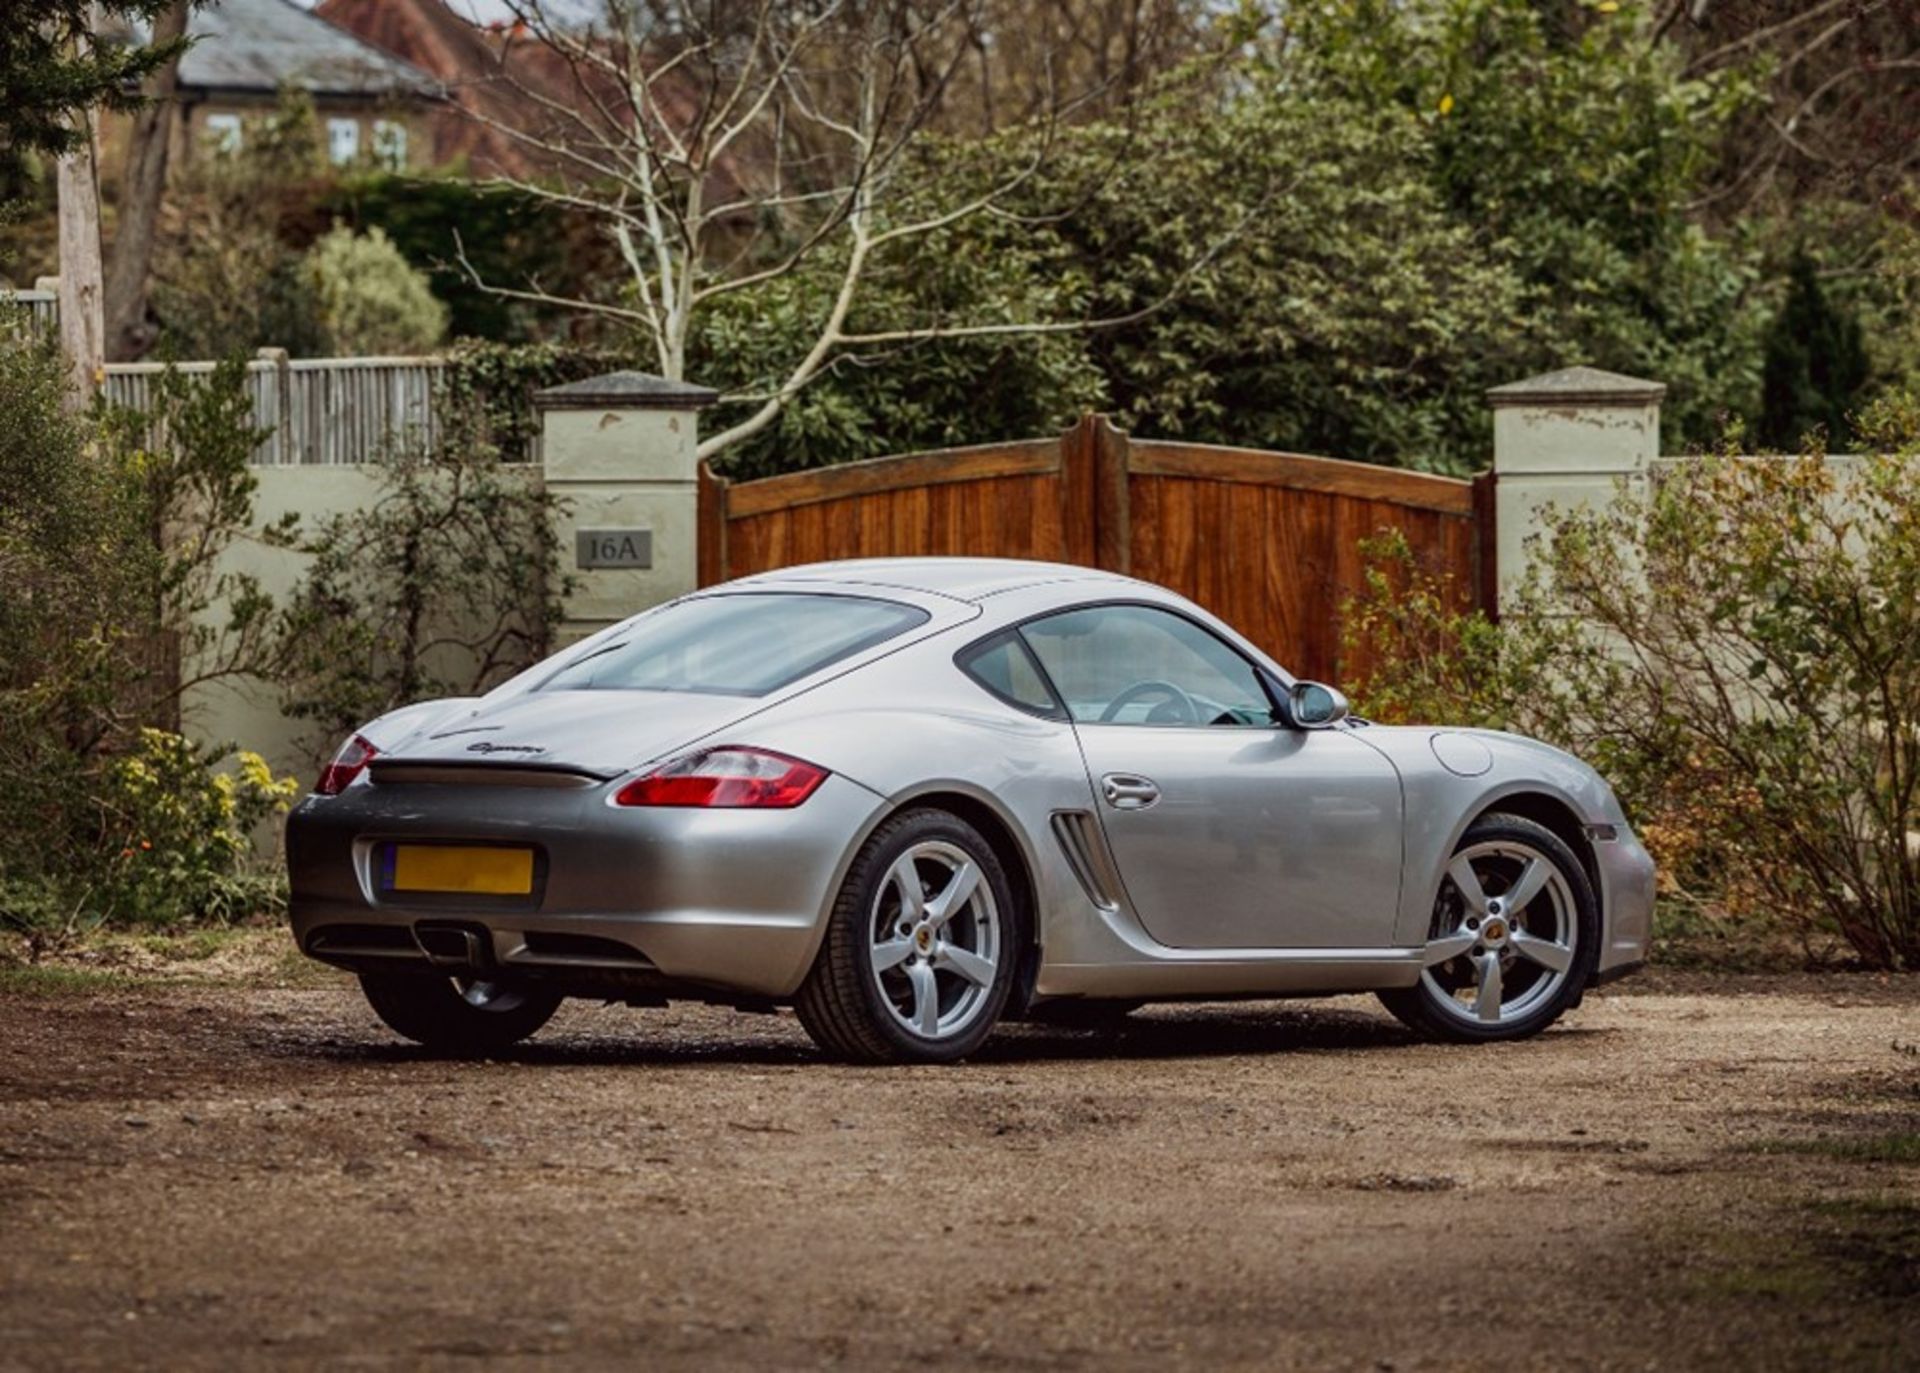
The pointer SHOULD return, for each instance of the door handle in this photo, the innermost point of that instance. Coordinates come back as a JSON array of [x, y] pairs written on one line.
[[1125, 791]]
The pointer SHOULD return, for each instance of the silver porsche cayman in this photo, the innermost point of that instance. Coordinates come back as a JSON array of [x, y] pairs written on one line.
[[912, 798]]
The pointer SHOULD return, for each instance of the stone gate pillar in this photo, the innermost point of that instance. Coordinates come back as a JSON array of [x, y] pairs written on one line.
[[620, 451], [1565, 439]]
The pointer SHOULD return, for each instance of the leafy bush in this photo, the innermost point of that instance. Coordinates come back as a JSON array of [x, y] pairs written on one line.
[[507, 236], [369, 302], [447, 584], [1333, 241], [108, 533], [70, 555], [1440, 660], [1572, 150], [185, 466], [227, 280], [905, 396], [185, 834], [1737, 646], [489, 389]]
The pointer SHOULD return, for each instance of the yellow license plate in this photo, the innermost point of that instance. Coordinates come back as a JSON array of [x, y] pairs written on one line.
[[446, 868]]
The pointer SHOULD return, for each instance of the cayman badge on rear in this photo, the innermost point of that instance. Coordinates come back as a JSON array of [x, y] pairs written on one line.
[[914, 797]]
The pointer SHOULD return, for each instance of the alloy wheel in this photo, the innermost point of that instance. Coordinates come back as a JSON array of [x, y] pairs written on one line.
[[489, 996], [1504, 929], [935, 939]]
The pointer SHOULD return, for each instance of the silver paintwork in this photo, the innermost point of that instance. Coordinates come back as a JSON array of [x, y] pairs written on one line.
[[1162, 862]]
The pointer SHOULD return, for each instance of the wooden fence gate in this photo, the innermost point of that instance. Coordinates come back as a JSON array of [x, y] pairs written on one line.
[[1267, 541]]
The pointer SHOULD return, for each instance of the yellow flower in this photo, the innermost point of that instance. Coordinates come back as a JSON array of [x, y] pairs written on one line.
[[1607, 6], [1446, 104]]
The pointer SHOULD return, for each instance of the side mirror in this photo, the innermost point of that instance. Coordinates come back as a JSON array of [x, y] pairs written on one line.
[[1315, 706]]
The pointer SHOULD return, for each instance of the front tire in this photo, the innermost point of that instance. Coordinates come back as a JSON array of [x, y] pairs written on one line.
[[465, 1019], [921, 947], [1513, 940]]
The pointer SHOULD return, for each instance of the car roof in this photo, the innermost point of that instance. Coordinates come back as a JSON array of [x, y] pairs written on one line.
[[965, 579]]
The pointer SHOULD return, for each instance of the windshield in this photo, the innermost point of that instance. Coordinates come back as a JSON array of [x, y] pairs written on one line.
[[737, 645]]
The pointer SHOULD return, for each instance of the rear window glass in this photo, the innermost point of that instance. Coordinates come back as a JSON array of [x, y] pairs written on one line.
[[737, 645]]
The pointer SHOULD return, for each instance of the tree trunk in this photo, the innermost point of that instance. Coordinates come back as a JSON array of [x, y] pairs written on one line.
[[142, 188], [82, 321]]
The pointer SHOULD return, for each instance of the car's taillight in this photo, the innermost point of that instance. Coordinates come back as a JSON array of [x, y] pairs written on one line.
[[726, 777], [347, 764]]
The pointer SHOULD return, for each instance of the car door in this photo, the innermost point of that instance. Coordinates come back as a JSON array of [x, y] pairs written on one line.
[[1230, 831]]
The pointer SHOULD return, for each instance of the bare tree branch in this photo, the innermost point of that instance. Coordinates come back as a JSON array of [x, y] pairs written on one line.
[[723, 145]]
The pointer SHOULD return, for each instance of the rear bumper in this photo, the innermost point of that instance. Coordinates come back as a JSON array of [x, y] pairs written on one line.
[[730, 900]]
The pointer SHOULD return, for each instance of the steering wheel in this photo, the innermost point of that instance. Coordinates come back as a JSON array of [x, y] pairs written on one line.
[[1175, 697]]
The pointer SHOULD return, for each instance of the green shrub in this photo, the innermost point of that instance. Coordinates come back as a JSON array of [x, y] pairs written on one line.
[[229, 279], [446, 585], [72, 558], [109, 532], [457, 230], [185, 834], [489, 387], [1437, 658], [369, 301]]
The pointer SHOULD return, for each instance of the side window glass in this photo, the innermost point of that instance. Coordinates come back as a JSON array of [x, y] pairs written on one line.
[[1004, 667], [1137, 665]]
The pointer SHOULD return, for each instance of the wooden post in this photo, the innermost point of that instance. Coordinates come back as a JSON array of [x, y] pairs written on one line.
[[285, 442], [83, 322], [712, 526], [1078, 457], [1486, 543], [1113, 524]]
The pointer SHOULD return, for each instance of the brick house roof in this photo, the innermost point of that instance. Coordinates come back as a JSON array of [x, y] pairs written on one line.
[[487, 73], [256, 47]]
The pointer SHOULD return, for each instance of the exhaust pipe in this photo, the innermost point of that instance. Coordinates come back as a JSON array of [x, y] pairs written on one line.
[[455, 947]]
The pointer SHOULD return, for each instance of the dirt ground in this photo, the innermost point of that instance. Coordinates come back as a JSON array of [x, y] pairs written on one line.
[[1688, 1173]]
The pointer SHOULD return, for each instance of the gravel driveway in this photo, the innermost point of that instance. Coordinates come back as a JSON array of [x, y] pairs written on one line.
[[1688, 1172]]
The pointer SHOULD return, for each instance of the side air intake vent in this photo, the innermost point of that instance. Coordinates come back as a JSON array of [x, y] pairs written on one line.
[[1086, 852]]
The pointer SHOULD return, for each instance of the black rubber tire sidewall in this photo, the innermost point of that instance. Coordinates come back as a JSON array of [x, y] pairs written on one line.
[[1415, 1006], [839, 1004], [430, 1011]]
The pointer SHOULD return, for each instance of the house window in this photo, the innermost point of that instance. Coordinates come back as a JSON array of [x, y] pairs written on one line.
[[390, 143], [343, 141], [223, 132]]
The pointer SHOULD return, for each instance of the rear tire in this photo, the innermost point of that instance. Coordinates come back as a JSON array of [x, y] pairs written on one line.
[[460, 1019], [1514, 936], [921, 948]]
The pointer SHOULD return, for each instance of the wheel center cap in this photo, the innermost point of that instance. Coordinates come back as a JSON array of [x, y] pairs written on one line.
[[923, 937], [1494, 930]]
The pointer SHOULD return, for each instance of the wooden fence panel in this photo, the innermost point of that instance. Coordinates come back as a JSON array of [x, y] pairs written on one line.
[[1011, 500], [1270, 542], [39, 310], [316, 410]]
